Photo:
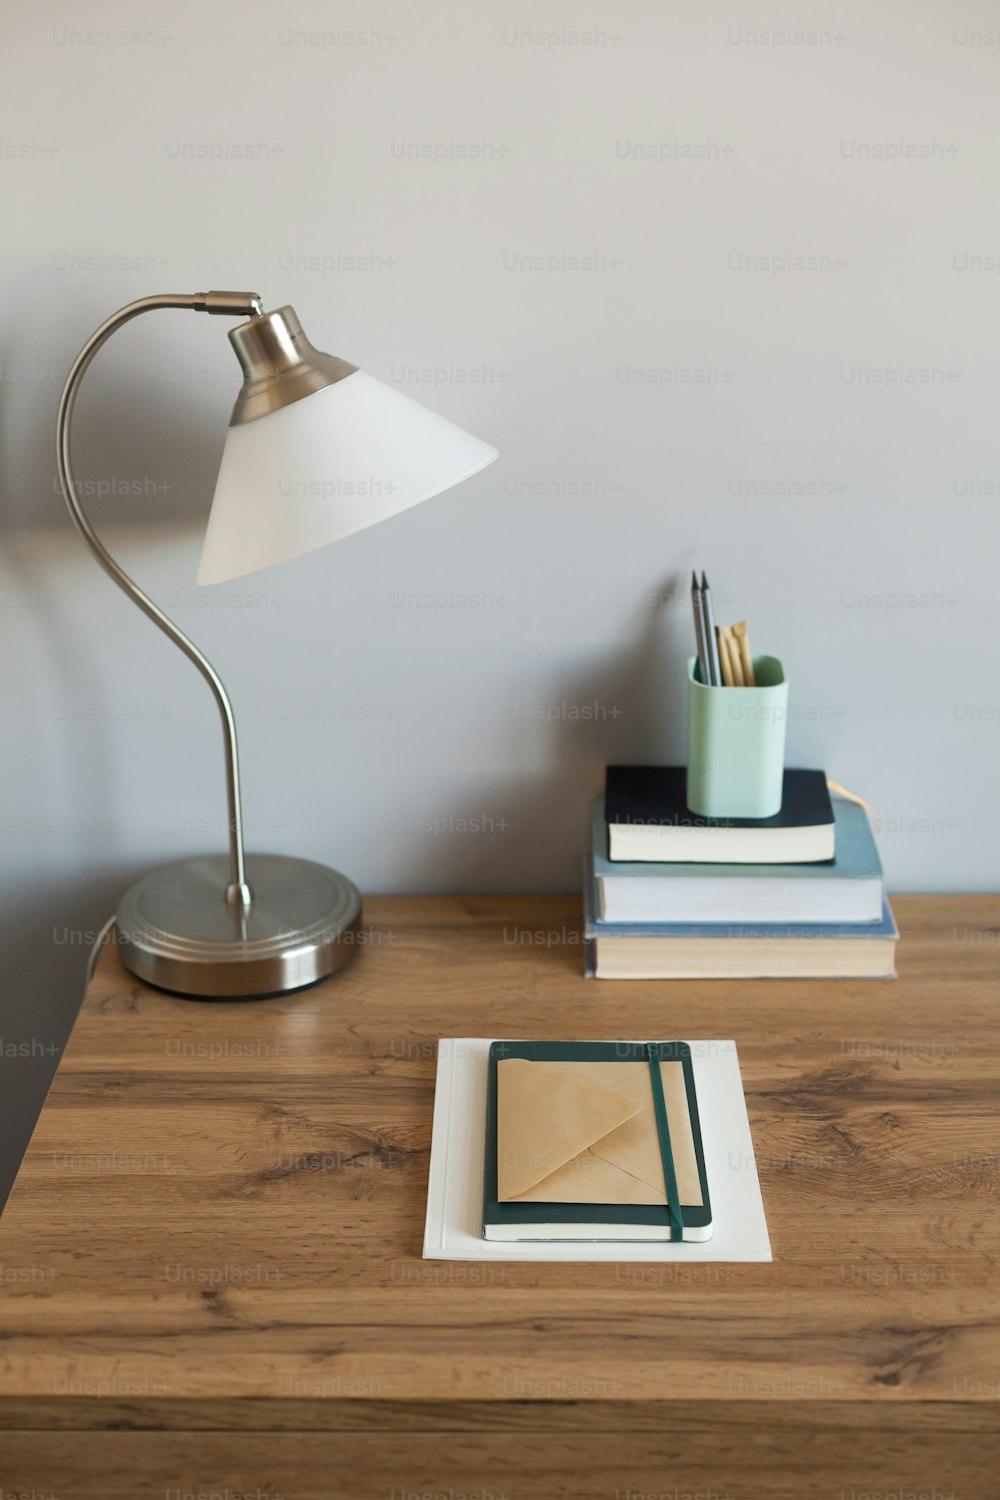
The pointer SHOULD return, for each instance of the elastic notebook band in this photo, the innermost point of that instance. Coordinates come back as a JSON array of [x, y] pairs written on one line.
[[666, 1151]]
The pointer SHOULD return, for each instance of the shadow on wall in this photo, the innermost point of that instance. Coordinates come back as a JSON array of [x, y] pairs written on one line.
[[630, 707], [129, 469], [150, 422]]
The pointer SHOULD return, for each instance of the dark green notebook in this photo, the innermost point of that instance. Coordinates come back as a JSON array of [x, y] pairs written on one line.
[[606, 1151]]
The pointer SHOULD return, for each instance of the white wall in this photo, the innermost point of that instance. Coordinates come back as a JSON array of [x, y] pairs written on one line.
[[594, 277]]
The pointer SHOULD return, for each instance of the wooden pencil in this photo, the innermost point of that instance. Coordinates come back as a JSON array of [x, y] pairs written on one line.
[[739, 631], [724, 658], [734, 656]]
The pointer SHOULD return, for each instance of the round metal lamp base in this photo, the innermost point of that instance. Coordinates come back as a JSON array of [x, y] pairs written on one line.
[[177, 931]]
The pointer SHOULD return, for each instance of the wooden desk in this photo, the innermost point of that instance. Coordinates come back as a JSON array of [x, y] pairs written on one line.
[[211, 1259]]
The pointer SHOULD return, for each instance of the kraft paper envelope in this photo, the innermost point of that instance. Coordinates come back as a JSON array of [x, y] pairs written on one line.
[[585, 1132]]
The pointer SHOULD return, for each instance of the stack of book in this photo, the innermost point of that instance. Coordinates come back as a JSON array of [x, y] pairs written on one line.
[[670, 895]]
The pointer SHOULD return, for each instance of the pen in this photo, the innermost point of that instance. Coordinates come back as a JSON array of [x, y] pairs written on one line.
[[699, 631], [708, 630]]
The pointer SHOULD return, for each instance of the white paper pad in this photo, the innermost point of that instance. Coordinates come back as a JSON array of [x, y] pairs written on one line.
[[453, 1229]]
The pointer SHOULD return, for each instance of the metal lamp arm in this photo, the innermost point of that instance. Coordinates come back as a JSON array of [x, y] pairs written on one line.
[[232, 304]]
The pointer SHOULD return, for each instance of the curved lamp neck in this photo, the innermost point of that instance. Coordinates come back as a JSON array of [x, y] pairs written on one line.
[[225, 304]]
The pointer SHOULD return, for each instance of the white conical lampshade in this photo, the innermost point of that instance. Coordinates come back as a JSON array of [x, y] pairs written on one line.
[[321, 465]]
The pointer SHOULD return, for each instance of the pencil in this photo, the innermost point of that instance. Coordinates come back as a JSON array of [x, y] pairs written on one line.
[[743, 644], [734, 656], [699, 629], [724, 658], [708, 627]]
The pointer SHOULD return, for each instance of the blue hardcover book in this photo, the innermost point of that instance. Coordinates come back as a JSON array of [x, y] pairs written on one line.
[[846, 889], [710, 950]]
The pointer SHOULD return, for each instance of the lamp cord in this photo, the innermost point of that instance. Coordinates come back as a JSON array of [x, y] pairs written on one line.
[[238, 892]]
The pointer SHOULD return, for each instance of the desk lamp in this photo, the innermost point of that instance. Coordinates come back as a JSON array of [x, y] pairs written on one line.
[[229, 928]]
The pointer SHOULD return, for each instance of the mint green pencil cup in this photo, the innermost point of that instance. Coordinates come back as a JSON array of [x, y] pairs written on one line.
[[736, 743]]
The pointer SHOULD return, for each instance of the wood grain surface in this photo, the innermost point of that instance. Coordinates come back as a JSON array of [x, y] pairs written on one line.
[[210, 1262]]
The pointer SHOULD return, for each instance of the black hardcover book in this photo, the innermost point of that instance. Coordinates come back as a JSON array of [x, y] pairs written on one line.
[[631, 1159], [649, 819]]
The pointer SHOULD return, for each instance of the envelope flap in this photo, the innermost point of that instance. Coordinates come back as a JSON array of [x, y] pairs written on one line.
[[546, 1116]]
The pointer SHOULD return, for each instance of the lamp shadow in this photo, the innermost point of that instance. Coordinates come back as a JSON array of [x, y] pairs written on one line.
[[127, 436]]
